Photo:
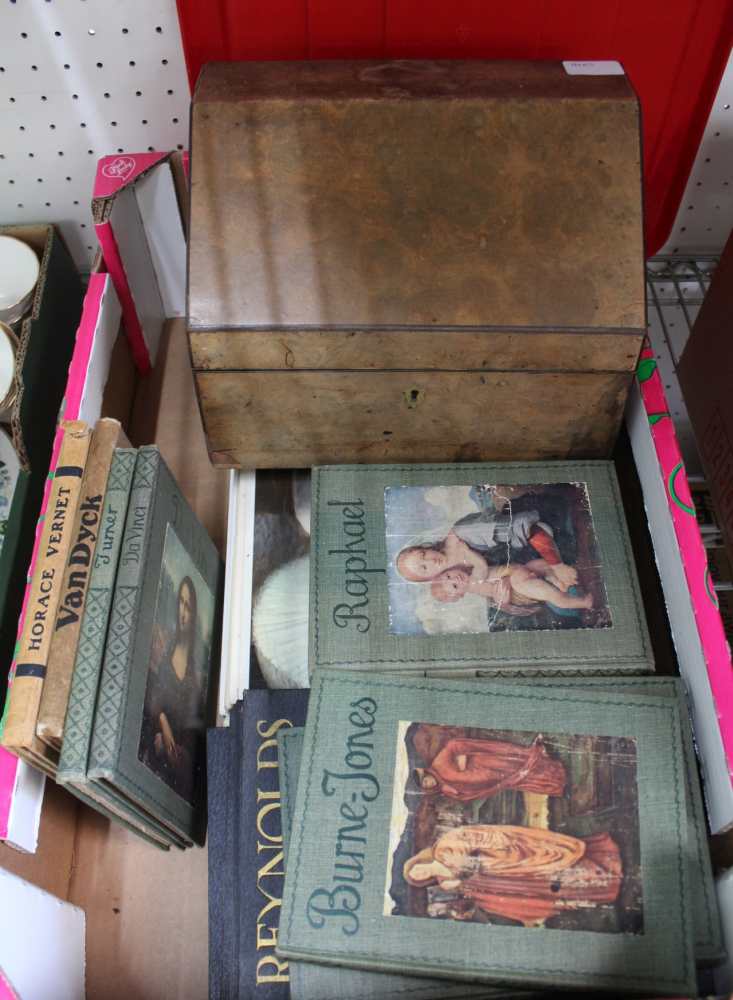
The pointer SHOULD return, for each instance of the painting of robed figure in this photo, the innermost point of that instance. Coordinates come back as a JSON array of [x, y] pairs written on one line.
[[516, 828]]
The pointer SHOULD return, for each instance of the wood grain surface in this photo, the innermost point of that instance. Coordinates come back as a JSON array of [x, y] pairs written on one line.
[[291, 419]]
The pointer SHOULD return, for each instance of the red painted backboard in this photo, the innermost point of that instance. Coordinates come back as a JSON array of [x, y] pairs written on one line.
[[674, 51]]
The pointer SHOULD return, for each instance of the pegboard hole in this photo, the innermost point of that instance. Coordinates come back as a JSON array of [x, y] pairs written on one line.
[[159, 30], [47, 204], [34, 68], [144, 121], [24, 34], [76, 202], [83, 124], [75, 96], [12, 100], [125, 31], [52, 125], [61, 152], [163, 62], [22, 128], [43, 97], [11, 182], [138, 93], [67, 66], [113, 124], [132, 62], [726, 107], [57, 34], [106, 94], [20, 204], [169, 92], [174, 120], [100, 65]]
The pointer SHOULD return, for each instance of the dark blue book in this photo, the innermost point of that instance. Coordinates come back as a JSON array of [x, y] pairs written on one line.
[[246, 861]]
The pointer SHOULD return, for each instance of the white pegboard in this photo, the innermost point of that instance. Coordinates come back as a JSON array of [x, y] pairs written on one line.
[[705, 217], [80, 79]]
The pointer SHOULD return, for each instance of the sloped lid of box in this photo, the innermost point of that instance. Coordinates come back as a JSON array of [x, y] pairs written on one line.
[[415, 194]]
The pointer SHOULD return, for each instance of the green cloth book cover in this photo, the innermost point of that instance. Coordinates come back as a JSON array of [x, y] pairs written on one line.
[[492, 832], [149, 733], [709, 946], [311, 981], [506, 568]]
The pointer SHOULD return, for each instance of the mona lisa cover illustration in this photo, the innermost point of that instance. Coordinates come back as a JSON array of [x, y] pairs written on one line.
[[492, 832], [153, 705], [506, 568]]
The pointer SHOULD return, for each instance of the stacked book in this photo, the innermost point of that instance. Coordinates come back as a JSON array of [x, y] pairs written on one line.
[[491, 794], [110, 682]]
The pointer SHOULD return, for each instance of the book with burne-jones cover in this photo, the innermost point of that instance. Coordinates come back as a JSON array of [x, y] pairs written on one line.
[[503, 836]]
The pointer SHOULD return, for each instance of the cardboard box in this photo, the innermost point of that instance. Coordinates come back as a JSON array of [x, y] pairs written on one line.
[[139, 207], [413, 261]]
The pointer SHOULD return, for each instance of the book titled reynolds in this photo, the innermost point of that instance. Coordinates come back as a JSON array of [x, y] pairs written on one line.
[[246, 860], [512, 568]]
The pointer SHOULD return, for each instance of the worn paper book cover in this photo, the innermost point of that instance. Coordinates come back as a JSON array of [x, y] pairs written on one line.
[[577, 879], [311, 981], [149, 732], [245, 847], [506, 568], [56, 531], [74, 587]]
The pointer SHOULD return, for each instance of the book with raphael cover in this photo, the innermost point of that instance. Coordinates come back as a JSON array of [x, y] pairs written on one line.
[[491, 832], [148, 740], [511, 568]]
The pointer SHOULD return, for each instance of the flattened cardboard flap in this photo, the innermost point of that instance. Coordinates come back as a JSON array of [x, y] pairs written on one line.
[[138, 207]]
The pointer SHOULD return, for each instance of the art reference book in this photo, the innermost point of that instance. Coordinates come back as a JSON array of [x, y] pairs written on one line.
[[513, 568], [246, 864], [34, 644], [106, 436], [153, 702], [579, 878]]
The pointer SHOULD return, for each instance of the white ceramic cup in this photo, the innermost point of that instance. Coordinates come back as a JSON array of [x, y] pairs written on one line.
[[19, 270], [8, 349]]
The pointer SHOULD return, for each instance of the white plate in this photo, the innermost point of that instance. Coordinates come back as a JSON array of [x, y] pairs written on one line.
[[19, 270], [9, 471]]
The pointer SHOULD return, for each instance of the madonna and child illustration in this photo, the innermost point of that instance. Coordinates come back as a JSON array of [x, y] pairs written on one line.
[[515, 828], [493, 558], [172, 737]]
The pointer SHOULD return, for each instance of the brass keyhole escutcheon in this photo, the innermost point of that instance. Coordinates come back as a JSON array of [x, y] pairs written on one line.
[[413, 398]]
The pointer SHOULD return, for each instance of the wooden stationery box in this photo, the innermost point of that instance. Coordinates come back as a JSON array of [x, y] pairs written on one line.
[[413, 261]]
